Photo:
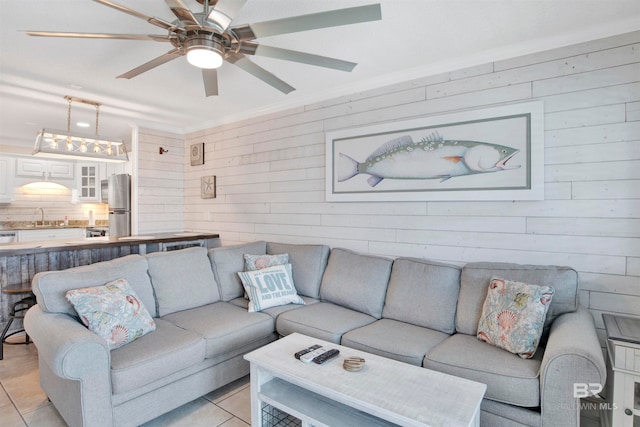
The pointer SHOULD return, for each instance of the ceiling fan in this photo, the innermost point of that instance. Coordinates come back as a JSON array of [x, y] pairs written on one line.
[[208, 39]]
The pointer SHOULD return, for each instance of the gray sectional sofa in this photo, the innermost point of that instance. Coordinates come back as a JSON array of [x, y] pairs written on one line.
[[413, 310]]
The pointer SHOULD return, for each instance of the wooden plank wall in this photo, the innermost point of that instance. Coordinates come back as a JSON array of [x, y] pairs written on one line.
[[271, 172], [160, 181]]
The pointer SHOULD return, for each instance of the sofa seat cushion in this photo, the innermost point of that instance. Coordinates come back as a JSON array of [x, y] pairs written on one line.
[[274, 311], [166, 350], [323, 320], [224, 326], [509, 378], [396, 340]]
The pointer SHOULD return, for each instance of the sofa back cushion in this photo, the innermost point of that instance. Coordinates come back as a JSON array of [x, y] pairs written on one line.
[[356, 281], [423, 293], [50, 287], [227, 261], [182, 279], [307, 262], [474, 283]]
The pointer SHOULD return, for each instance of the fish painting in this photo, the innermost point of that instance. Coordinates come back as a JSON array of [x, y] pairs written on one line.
[[432, 157]]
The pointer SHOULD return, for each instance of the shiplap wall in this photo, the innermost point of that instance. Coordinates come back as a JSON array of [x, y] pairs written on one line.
[[271, 169], [159, 181]]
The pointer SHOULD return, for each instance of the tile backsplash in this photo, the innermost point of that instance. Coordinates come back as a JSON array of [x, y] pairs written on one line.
[[56, 205]]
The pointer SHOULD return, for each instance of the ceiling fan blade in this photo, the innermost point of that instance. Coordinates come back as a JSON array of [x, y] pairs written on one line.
[[153, 37], [224, 12], [332, 18], [172, 54], [210, 78], [304, 58], [150, 19], [254, 69], [182, 12]]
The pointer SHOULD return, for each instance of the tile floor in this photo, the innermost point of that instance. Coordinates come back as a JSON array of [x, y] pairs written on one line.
[[24, 404]]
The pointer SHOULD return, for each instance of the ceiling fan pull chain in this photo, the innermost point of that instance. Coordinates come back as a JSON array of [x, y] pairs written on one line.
[[97, 121], [68, 114]]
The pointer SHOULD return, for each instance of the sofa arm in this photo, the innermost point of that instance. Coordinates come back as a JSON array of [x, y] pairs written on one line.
[[572, 356], [74, 367]]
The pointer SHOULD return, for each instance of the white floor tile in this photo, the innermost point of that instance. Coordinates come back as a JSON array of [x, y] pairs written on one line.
[[198, 413]]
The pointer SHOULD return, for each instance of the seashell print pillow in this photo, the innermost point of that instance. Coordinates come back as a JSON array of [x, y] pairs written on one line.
[[112, 311], [513, 316]]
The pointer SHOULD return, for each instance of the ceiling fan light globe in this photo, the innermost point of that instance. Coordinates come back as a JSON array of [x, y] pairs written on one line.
[[204, 58]]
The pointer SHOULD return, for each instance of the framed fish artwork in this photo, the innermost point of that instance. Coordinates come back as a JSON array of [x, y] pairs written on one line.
[[487, 154]]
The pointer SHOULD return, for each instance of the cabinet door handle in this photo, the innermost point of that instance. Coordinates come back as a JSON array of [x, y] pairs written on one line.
[[628, 412]]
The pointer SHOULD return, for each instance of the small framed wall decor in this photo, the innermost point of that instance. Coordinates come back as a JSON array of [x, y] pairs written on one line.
[[208, 187], [197, 154]]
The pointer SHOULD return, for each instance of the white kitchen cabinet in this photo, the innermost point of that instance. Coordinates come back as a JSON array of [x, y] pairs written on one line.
[[45, 169], [88, 182], [6, 179], [50, 234], [108, 169]]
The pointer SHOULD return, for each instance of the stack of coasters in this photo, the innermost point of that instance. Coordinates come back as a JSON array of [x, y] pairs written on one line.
[[353, 364]]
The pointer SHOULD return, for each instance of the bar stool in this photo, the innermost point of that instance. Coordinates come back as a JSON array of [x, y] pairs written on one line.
[[17, 311]]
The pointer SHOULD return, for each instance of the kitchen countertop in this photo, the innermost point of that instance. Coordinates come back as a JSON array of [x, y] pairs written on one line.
[[48, 225], [42, 227], [22, 248]]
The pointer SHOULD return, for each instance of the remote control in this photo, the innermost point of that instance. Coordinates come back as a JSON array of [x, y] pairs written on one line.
[[307, 358], [326, 356], [307, 350]]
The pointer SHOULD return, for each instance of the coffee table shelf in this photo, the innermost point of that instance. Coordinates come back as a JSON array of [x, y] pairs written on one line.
[[313, 408]]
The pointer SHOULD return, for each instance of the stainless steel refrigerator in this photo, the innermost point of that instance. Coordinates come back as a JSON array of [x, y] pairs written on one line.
[[119, 205]]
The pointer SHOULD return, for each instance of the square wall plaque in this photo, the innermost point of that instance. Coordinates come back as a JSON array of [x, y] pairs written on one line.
[[197, 154], [208, 187]]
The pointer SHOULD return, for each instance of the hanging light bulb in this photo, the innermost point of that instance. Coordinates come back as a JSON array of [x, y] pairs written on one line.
[[83, 146], [96, 147], [54, 142], [69, 144]]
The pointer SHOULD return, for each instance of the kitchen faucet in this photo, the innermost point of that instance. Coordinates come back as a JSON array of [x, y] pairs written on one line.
[[41, 216]]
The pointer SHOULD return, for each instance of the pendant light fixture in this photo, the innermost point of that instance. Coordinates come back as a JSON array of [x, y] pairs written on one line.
[[58, 143]]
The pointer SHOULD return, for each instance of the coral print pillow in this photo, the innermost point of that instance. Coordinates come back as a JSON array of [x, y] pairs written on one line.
[[113, 311], [513, 316], [269, 287]]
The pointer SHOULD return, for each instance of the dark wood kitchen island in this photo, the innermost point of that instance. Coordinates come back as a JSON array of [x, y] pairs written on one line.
[[19, 262]]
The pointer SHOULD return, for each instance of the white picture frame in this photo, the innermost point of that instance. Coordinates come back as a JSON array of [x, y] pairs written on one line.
[[363, 164]]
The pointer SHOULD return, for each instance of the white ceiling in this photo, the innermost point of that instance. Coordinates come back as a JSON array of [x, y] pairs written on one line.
[[415, 38]]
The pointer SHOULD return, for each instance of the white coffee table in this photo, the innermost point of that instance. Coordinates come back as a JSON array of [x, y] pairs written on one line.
[[386, 392]]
